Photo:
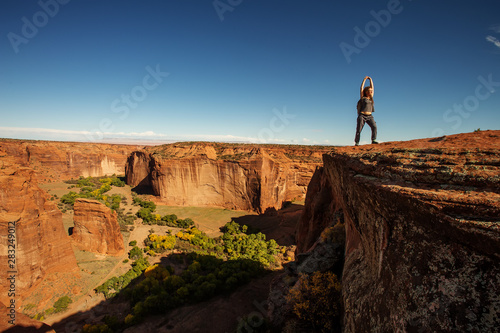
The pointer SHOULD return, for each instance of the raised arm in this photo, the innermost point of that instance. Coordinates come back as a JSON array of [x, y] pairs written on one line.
[[363, 85]]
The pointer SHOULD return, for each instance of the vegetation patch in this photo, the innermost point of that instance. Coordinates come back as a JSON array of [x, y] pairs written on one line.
[[209, 266], [59, 306], [148, 216], [96, 188], [317, 300], [114, 285]]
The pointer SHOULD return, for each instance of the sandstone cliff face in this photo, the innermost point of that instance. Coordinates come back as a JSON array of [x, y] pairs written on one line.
[[247, 177], [422, 232], [96, 228], [56, 161], [317, 214], [42, 245]]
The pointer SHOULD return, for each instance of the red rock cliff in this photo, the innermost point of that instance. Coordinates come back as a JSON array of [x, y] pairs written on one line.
[[56, 161], [247, 177], [42, 245], [96, 228], [422, 232]]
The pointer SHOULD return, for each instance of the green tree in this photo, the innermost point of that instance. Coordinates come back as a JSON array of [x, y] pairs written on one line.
[[135, 253], [62, 303]]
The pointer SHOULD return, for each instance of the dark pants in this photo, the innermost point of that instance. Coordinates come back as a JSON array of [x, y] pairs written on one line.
[[362, 119]]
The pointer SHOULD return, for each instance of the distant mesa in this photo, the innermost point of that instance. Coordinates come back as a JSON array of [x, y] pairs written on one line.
[[58, 161]]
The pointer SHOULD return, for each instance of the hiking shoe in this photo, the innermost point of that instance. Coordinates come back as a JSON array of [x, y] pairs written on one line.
[[374, 142], [356, 144]]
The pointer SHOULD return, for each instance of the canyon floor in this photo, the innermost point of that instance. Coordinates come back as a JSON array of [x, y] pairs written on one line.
[[96, 269]]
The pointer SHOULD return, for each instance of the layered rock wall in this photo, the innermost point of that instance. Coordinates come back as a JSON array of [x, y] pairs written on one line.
[[96, 228], [243, 177], [56, 161], [41, 246], [422, 232], [318, 211]]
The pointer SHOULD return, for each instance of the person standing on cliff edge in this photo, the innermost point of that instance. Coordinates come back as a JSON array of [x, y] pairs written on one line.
[[365, 109]]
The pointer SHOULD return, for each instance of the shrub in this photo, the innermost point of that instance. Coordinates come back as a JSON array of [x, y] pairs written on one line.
[[62, 304], [335, 234], [82, 182], [94, 188], [69, 198], [145, 215], [112, 286], [135, 253], [316, 299], [130, 320], [96, 328], [144, 203], [159, 244], [233, 228]]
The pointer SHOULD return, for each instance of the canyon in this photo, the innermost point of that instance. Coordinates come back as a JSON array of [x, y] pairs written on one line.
[[41, 246], [411, 228], [233, 176], [44, 253]]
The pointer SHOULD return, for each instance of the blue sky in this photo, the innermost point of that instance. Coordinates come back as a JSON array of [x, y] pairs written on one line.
[[250, 71]]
